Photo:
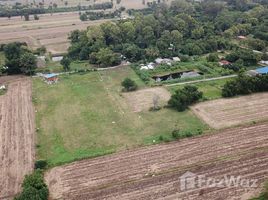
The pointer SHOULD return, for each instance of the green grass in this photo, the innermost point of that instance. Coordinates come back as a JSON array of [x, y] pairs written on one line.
[[210, 89], [56, 67], [2, 58], [86, 116]]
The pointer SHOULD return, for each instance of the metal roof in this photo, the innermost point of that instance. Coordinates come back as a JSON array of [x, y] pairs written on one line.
[[262, 70], [50, 75]]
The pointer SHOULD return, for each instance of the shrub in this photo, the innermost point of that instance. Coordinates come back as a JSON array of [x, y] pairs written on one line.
[[176, 133], [213, 57], [185, 97], [40, 164], [34, 187], [129, 85]]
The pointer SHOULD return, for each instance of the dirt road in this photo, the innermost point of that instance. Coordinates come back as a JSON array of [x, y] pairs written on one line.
[[16, 136], [153, 172]]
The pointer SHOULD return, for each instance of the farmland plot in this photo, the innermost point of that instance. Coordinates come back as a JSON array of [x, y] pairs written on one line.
[[153, 172], [224, 113], [16, 136]]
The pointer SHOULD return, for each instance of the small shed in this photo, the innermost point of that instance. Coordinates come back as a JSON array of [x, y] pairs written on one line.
[[224, 63], [51, 78], [241, 37]]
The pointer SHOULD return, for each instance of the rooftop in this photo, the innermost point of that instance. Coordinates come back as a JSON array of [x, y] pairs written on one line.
[[50, 75], [262, 70]]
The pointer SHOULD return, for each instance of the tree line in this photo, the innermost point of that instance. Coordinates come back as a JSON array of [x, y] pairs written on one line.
[[184, 28]]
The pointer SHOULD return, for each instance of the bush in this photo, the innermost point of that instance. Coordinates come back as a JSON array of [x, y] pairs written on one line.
[[213, 57], [185, 97], [129, 85], [40, 164], [176, 133], [34, 187]]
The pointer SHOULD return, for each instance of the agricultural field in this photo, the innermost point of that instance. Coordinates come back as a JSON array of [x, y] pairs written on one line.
[[17, 140], [224, 113], [211, 89], [128, 4], [86, 115], [50, 31], [154, 172]]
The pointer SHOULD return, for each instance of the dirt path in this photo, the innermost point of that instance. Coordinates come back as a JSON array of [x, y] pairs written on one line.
[[153, 172], [16, 136]]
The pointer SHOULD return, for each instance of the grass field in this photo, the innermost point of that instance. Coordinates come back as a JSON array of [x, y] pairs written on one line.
[[2, 58], [86, 116], [211, 89], [56, 67]]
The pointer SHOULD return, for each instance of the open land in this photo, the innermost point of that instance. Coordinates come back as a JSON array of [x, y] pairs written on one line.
[[16, 135], [86, 115], [49, 31], [128, 4], [222, 113], [153, 172]]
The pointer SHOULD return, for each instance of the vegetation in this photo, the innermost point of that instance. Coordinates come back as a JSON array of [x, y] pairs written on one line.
[[99, 15], [185, 28], [86, 116], [129, 85], [264, 195], [34, 187], [210, 89], [65, 62], [19, 59], [185, 97], [245, 85]]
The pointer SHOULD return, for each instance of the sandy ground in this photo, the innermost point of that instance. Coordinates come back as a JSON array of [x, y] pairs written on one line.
[[151, 173], [224, 113], [142, 100], [16, 135]]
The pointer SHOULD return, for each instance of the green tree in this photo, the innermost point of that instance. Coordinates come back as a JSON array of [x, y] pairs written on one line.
[[28, 63], [129, 85], [106, 57], [65, 62], [184, 97]]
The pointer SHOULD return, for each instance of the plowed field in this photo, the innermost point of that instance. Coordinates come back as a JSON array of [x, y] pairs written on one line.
[[153, 172], [16, 135], [224, 113]]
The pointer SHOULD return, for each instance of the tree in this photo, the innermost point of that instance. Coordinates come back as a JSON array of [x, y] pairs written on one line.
[[213, 57], [129, 85], [184, 97], [36, 17], [106, 57], [65, 62], [28, 63], [12, 50], [26, 17], [83, 17]]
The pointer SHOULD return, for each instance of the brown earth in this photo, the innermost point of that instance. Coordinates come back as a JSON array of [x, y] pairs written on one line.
[[222, 113], [142, 100], [49, 31], [16, 135], [153, 172]]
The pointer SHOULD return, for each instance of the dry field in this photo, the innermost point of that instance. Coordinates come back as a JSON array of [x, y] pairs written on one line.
[[16, 135], [49, 31], [142, 100], [224, 113], [153, 172], [129, 4]]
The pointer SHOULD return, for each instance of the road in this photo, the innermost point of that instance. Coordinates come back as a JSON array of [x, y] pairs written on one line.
[[202, 80]]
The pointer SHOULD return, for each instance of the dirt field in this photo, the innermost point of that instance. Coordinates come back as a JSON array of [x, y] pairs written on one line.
[[50, 31], [224, 113], [142, 100], [16, 135], [153, 172], [128, 4]]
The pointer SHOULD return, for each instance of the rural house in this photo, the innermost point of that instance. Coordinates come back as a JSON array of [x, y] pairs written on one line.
[[51, 78]]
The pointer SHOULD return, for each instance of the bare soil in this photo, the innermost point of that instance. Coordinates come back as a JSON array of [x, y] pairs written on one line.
[[142, 100], [224, 113], [153, 172], [16, 135], [49, 31]]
